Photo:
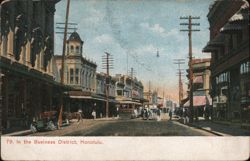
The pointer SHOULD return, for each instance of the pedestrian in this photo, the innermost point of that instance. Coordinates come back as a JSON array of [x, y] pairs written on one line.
[[188, 115], [185, 116], [79, 116], [117, 112], [158, 114], [94, 114], [170, 114]]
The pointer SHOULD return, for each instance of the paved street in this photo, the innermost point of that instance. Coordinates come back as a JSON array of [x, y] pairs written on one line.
[[141, 128], [127, 127]]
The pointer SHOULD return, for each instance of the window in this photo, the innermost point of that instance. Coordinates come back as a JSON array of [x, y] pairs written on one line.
[[230, 42], [245, 68], [77, 49], [71, 48], [71, 73], [119, 92], [239, 38], [77, 75]]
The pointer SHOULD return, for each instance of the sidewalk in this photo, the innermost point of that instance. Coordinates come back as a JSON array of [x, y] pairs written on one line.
[[64, 130], [220, 129]]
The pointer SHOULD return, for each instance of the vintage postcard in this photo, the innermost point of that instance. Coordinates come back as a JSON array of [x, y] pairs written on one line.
[[124, 80]]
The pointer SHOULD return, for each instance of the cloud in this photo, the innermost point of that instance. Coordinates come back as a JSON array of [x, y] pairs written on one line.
[[104, 39], [147, 49], [154, 28], [157, 28]]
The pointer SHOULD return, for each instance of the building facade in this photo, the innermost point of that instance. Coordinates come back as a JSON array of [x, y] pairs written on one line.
[[230, 65], [129, 92], [26, 61], [201, 85], [80, 74], [101, 95]]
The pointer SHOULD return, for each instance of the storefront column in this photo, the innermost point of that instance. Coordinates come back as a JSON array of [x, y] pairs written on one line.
[[10, 48], [6, 96], [1, 99], [27, 54]]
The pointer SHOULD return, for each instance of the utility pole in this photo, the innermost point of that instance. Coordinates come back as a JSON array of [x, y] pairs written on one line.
[[149, 92], [132, 73], [190, 30], [107, 62], [63, 57], [180, 73]]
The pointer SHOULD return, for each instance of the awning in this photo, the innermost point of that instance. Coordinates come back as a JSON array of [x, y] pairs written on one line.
[[214, 44], [199, 101], [198, 79], [231, 28], [129, 102], [87, 97], [93, 98]]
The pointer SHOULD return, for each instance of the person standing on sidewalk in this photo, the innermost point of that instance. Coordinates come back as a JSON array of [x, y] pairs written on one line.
[[94, 114], [188, 115], [170, 114], [158, 114], [185, 116], [79, 117]]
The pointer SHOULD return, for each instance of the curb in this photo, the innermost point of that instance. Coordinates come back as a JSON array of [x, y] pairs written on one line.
[[201, 128], [19, 133]]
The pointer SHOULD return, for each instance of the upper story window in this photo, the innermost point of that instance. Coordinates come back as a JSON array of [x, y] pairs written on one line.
[[67, 50], [71, 48], [245, 68], [223, 77], [77, 75], [77, 50], [239, 38], [71, 74], [230, 42]]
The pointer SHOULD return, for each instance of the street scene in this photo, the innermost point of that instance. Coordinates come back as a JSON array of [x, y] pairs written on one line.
[[124, 68]]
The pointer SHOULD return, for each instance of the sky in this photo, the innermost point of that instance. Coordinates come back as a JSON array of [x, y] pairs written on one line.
[[133, 30]]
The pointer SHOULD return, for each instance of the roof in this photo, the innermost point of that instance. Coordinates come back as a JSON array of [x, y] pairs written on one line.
[[75, 37], [242, 15]]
